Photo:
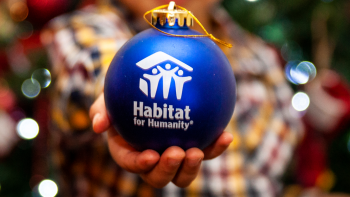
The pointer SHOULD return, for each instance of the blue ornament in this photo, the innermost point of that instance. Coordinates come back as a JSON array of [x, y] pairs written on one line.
[[163, 91]]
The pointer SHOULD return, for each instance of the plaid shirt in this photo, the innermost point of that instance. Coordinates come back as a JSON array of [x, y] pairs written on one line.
[[82, 45]]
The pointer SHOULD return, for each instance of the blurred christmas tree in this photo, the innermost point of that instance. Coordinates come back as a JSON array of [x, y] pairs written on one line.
[[308, 25], [23, 79], [315, 31], [339, 159]]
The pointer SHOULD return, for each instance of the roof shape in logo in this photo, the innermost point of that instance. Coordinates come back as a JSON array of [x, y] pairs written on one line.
[[160, 57]]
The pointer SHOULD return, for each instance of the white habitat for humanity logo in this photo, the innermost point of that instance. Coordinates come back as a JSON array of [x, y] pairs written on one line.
[[165, 116], [166, 74]]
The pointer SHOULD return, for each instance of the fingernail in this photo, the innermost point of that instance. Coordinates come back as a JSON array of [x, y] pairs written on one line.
[[173, 162], [194, 162], [96, 117], [150, 162], [229, 138]]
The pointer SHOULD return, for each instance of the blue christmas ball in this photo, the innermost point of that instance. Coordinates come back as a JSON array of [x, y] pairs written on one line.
[[163, 91]]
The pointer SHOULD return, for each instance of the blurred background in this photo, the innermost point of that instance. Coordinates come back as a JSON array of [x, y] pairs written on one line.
[[310, 36]]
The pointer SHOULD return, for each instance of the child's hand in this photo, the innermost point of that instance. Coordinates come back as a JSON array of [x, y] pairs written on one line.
[[174, 165]]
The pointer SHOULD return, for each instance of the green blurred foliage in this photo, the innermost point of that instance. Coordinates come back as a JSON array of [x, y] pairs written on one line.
[[281, 21]]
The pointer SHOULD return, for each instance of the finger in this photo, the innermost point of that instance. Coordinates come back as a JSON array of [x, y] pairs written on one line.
[[189, 168], [98, 115], [219, 146], [127, 157], [97, 106], [166, 168]]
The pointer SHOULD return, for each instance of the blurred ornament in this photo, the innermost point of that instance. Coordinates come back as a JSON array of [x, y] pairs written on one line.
[[163, 91]]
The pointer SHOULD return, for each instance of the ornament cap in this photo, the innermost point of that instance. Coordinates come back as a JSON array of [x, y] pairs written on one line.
[[171, 16]]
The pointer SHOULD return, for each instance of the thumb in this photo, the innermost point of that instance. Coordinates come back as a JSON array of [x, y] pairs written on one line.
[[98, 115]]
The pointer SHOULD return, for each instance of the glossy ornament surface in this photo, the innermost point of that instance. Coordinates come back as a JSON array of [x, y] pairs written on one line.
[[163, 91]]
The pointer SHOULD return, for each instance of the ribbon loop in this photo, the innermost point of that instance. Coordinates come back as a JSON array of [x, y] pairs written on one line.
[[211, 36]]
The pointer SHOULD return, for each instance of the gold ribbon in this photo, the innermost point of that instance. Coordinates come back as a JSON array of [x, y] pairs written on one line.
[[192, 36]]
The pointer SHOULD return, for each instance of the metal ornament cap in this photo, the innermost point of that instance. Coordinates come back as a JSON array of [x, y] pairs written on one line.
[[171, 16]]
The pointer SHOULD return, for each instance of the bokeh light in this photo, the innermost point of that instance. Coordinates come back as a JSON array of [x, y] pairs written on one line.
[[300, 72], [48, 188], [27, 128], [19, 61], [300, 101], [25, 30], [43, 76], [31, 88], [273, 32], [288, 68], [19, 11], [252, 0]]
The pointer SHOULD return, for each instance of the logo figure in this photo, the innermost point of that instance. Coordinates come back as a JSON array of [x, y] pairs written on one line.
[[165, 74]]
